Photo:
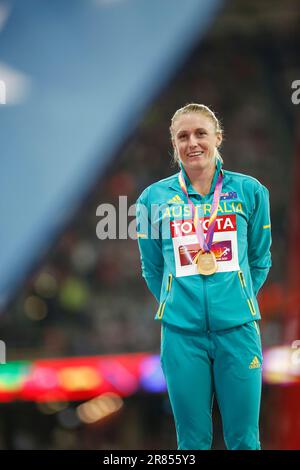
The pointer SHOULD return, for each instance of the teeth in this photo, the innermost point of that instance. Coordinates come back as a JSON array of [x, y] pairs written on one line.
[[195, 154]]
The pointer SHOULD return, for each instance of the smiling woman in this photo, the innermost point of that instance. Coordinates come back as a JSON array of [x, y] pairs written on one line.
[[205, 276], [196, 135]]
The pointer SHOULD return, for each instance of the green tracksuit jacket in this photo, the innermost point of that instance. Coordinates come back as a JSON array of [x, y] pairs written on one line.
[[241, 243]]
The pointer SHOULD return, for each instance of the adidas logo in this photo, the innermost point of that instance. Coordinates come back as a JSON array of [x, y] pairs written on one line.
[[176, 199], [255, 364]]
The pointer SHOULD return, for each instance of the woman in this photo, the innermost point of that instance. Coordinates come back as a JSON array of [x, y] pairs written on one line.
[[206, 258]]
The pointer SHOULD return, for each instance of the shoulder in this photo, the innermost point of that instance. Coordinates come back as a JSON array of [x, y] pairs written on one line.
[[247, 182], [158, 189]]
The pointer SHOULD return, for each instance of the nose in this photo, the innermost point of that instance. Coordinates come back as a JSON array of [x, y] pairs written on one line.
[[193, 141]]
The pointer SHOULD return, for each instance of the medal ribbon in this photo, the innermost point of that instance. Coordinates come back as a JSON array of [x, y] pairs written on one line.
[[204, 242]]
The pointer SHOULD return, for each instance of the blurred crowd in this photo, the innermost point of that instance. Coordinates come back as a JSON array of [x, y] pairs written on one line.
[[87, 297]]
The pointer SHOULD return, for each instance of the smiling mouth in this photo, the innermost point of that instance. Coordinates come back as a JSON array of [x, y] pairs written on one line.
[[195, 154]]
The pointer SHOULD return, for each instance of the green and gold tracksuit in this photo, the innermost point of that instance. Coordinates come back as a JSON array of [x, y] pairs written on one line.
[[210, 339]]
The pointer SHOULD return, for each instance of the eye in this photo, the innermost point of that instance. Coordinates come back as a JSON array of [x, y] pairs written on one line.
[[182, 136], [201, 132]]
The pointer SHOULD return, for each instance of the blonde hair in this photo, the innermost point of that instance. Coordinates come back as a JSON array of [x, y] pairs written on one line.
[[197, 108]]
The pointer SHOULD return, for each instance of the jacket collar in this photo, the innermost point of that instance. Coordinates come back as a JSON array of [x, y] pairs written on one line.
[[174, 184]]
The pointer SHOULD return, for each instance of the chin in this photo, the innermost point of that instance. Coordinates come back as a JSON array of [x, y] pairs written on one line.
[[197, 165]]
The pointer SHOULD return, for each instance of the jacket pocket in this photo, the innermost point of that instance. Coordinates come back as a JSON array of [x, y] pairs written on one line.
[[247, 296], [162, 305], [256, 327]]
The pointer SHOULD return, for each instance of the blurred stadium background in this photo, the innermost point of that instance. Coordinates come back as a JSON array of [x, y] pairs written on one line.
[[90, 88]]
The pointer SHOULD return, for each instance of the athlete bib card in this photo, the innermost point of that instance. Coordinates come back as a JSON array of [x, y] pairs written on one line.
[[186, 246]]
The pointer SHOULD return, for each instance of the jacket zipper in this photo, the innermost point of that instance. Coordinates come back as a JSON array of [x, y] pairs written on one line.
[[249, 301], [163, 304], [206, 304], [204, 280]]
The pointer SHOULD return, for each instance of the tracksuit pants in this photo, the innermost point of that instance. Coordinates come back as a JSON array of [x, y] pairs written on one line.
[[226, 364]]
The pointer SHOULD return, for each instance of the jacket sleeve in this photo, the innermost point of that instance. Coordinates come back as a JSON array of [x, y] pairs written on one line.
[[150, 246], [259, 239]]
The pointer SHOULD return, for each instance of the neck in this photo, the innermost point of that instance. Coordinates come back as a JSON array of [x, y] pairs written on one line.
[[201, 179]]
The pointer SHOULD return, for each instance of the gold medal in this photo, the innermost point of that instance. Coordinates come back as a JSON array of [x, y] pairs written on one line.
[[205, 260], [206, 263]]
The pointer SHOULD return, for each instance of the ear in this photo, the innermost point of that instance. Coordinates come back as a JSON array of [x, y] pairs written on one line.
[[219, 139]]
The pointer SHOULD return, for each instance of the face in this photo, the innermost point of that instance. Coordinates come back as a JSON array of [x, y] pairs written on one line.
[[195, 141]]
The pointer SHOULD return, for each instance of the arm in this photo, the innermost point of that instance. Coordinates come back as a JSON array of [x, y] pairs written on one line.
[[259, 239], [150, 247]]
